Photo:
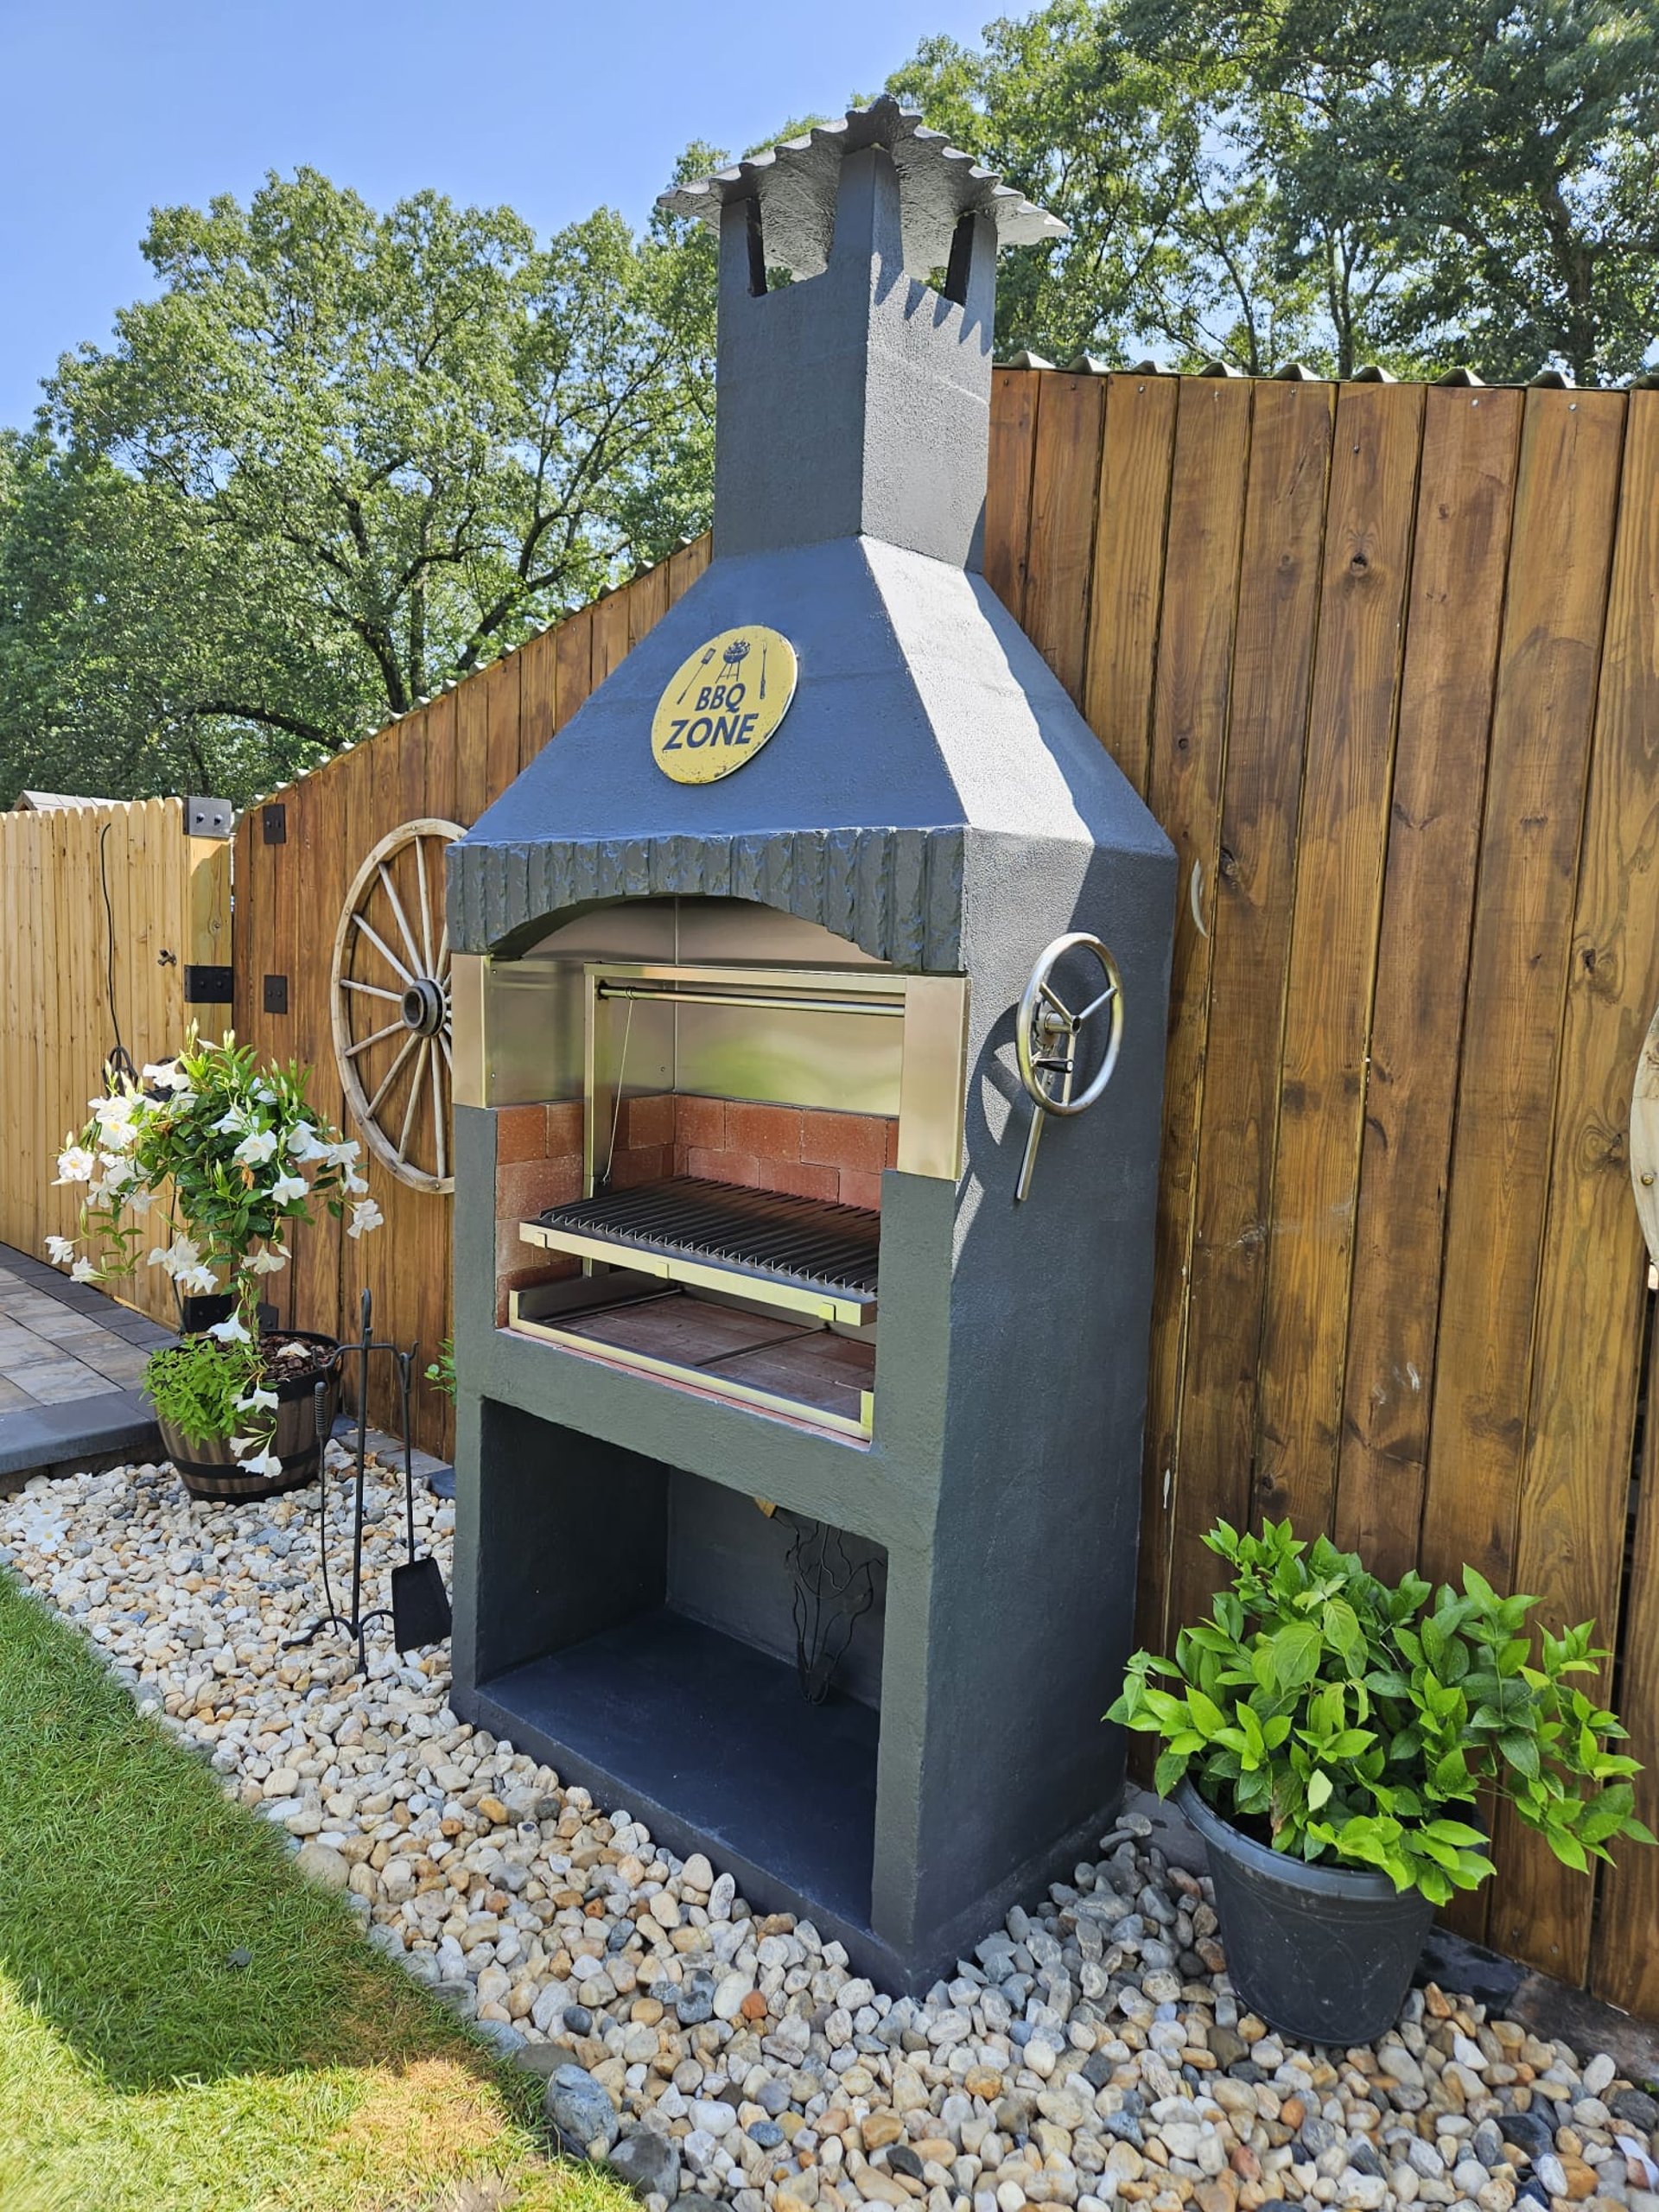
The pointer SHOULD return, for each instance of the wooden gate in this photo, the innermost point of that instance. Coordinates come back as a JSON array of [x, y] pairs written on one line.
[[1384, 662], [102, 908]]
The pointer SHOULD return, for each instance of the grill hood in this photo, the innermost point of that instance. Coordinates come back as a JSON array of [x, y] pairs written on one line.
[[926, 733]]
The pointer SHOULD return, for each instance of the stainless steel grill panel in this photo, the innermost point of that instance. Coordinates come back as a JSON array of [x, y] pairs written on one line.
[[811, 1244]]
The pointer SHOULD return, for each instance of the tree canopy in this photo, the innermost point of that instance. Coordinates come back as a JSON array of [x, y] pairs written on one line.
[[341, 458], [1417, 182], [344, 456]]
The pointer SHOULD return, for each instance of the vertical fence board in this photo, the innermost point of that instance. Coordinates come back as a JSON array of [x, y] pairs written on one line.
[[1469, 441], [1007, 498], [1587, 1344], [575, 663], [1565, 502], [1125, 586], [1189, 751], [1334, 945], [502, 713], [538, 691], [1624, 1959], [1273, 659], [1064, 474]]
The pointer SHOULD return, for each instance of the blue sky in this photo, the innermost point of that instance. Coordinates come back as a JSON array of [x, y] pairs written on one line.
[[114, 107]]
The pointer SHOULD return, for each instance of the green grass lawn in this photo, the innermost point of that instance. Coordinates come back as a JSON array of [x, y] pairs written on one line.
[[140, 2069]]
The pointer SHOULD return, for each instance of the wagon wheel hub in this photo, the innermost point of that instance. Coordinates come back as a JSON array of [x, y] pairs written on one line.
[[390, 1004], [426, 1006]]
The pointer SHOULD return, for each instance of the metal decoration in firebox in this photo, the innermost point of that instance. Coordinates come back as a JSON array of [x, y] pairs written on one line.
[[721, 704], [389, 1000], [832, 1594]]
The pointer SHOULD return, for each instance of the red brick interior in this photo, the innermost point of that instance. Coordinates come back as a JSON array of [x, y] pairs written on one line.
[[801, 1151]]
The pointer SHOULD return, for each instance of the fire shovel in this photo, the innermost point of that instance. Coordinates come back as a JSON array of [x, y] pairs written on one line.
[[420, 1604]]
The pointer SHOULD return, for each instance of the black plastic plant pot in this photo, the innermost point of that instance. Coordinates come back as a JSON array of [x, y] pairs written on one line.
[[1323, 1953], [205, 1311]]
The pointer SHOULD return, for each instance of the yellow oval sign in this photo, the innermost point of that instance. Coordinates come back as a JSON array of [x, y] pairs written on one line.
[[723, 703]]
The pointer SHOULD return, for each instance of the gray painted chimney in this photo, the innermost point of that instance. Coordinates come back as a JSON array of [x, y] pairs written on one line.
[[854, 400]]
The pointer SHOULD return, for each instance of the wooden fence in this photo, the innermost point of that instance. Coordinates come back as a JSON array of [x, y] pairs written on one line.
[[1385, 661], [102, 908]]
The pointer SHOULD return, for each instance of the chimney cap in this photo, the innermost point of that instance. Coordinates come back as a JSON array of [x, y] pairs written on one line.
[[795, 184]]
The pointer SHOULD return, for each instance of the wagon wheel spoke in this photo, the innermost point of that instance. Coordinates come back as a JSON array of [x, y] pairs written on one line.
[[399, 1057], [363, 1043], [437, 1113], [414, 1100], [383, 948], [403, 930], [370, 990], [426, 903]]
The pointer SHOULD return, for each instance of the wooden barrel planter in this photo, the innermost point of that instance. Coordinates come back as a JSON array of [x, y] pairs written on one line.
[[208, 1467]]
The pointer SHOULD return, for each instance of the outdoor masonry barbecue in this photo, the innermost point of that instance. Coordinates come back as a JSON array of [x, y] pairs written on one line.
[[799, 1455]]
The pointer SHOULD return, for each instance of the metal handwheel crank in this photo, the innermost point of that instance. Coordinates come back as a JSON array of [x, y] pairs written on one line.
[[1045, 1033]]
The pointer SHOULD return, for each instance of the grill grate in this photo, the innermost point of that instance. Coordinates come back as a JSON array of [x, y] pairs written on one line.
[[810, 1242]]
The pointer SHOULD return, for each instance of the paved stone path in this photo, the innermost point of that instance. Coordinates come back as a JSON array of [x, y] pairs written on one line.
[[71, 1362], [61, 1341]]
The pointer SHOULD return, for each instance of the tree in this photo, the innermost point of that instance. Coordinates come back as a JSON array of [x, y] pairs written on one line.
[[1511, 147], [1179, 238], [342, 458], [1415, 181]]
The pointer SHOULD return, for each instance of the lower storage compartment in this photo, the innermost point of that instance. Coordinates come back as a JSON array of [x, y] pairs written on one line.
[[805, 1370], [712, 1664]]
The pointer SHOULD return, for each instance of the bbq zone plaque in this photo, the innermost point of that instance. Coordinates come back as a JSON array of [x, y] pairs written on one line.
[[723, 703]]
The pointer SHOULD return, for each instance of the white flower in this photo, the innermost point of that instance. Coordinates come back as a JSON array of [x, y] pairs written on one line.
[[343, 1156], [257, 1401], [117, 1172], [355, 1182], [232, 1124], [241, 1444], [75, 1164], [84, 1271], [287, 1188], [198, 1281], [165, 1076], [267, 1261], [176, 1257], [304, 1144], [262, 1463], [366, 1215], [256, 1148], [60, 1251], [264, 1094], [115, 1119], [231, 1330], [141, 1201]]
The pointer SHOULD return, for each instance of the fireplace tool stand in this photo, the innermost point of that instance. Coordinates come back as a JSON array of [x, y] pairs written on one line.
[[419, 1611]]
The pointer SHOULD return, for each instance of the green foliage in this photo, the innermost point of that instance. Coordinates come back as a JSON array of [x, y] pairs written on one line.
[[235, 1156], [440, 1372], [1412, 181], [201, 1386], [342, 458], [1355, 1720]]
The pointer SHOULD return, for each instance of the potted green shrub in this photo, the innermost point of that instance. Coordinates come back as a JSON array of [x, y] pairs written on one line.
[[228, 1155], [1329, 1735]]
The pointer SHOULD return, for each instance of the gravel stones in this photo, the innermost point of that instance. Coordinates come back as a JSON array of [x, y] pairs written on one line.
[[1090, 2054], [582, 2111]]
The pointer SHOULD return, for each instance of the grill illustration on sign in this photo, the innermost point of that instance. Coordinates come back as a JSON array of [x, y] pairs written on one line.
[[713, 718]]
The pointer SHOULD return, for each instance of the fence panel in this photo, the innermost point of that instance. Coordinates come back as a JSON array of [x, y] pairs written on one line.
[[102, 908]]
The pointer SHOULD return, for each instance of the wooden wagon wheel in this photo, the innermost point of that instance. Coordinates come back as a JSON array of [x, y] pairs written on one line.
[[389, 1000]]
